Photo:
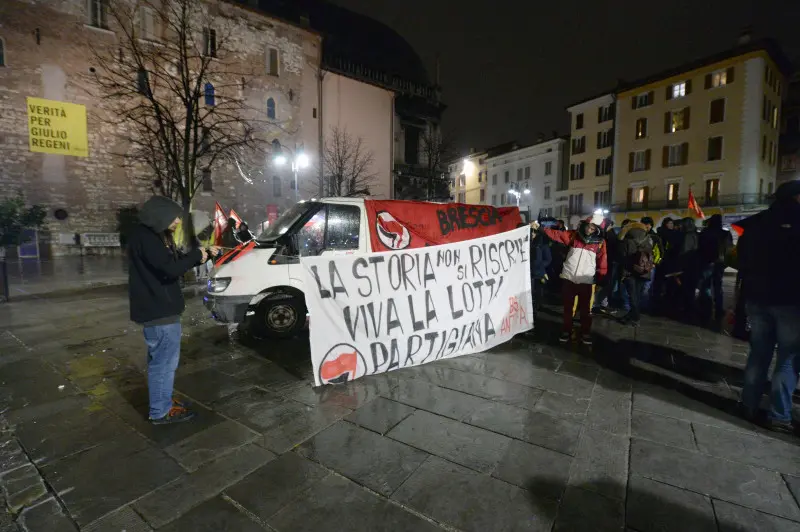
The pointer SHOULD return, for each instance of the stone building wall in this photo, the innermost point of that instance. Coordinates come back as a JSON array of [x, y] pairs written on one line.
[[48, 54]]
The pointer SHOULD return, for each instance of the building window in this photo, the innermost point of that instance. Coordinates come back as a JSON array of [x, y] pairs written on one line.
[[548, 168], [639, 161], [98, 13], [276, 186], [673, 190], [272, 61], [2, 52], [576, 203], [678, 90], [576, 171], [494, 180], [271, 108], [462, 197], [494, 199], [143, 82], [712, 192], [764, 148], [578, 145], [506, 176], [579, 121], [642, 100], [637, 197], [717, 113], [676, 155], [715, 148], [547, 192], [148, 24], [208, 93], [641, 128], [676, 120], [604, 138], [527, 172], [773, 153], [462, 180], [775, 117], [209, 42], [719, 78], [502, 199], [483, 196], [605, 113], [208, 185], [602, 166], [764, 111], [519, 174], [602, 198]]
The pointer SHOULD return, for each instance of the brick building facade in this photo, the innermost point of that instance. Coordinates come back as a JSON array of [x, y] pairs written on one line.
[[47, 53]]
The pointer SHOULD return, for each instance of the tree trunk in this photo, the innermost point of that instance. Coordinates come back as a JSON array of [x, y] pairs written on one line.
[[189, 234]]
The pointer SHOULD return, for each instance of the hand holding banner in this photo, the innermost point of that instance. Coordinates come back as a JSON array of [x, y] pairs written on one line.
[[378, 312]]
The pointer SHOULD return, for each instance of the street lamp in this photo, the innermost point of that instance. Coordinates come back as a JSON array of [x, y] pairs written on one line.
[[299, 160], [517, 194]]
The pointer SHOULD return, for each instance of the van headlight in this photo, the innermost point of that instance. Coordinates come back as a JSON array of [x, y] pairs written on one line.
[[218, 284]]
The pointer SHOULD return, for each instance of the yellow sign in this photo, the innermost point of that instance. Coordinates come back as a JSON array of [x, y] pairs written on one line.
[[57, 127]]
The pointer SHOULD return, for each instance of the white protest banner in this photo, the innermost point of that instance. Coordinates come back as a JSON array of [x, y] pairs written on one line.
[[377, 312]]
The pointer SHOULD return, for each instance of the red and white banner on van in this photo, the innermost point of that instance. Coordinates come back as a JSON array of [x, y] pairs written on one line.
[[396, 225], [377, 312]]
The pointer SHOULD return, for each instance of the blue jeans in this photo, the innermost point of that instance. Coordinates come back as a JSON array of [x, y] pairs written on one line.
[[771, 325], [163, 353], [711, 286], [647, 292]]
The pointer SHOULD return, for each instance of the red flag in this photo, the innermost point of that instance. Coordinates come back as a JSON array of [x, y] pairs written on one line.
[[235, 217], [220, 223], [693, 206]]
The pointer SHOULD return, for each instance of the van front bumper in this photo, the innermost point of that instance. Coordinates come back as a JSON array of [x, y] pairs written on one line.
[[227, 309]]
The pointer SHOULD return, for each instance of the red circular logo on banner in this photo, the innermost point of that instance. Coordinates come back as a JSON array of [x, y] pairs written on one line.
[[391, 233], [341, 364]]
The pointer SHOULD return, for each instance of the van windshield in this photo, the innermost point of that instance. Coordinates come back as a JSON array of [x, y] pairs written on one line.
[[286, 220]]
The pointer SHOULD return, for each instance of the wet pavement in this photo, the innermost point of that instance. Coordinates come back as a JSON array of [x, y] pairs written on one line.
[[32, 278], [635, 433]]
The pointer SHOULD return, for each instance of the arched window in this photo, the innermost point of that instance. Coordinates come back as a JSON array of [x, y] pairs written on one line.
[[271, 108], [276, 186], [2, 52], [209, 94], [276, 146]]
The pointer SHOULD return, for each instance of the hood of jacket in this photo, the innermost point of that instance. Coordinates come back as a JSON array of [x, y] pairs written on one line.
[[634, 230], [158, 213], [594, 238]]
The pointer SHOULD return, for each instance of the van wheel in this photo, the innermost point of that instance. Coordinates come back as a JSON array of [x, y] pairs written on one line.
[[279, 318]]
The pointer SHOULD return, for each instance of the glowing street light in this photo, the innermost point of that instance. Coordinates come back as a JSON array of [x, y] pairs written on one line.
[[517, 194], [299, 160]]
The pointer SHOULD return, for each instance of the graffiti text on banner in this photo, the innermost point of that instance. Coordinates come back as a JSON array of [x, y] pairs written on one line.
[[379, 312]]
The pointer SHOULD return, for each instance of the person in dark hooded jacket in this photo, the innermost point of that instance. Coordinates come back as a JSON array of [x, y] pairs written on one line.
[[636, 257], [688, 263], [540, 257], [155, 268], [714, 243], [768, 255]]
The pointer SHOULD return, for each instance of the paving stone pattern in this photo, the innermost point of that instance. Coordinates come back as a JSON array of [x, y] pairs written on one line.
[[634, 434]]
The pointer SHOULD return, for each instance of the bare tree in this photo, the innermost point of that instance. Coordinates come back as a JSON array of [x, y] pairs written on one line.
[[436, 149], [347, 164], [175, 89]]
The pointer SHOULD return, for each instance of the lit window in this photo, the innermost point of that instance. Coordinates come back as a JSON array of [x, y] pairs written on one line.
[[271, 108], [678, 120], [638, 195], [719, 78], [679, 90], [641, 128], [672, 192], [775, 117], [712, 191]]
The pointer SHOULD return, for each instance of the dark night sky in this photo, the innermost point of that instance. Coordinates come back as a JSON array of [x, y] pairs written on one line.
[[509, 69]]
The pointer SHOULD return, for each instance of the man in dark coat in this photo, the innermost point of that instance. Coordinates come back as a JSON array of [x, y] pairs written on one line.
[[769, 254], [714, 244], [155, 268], [540, 257], [636, 257], [688, 264]]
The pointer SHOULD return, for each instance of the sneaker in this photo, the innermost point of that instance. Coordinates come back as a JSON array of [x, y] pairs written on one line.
[[177, 414], [564, 338], [586, 340]]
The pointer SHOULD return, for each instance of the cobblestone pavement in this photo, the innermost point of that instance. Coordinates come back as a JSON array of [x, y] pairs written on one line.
[[634, 434]]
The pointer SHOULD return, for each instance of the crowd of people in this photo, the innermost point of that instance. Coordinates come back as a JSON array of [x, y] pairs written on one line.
[[634, 268], [677, 269]]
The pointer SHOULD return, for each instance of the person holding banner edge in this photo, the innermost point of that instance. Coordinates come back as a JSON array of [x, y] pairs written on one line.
[[585, 265]]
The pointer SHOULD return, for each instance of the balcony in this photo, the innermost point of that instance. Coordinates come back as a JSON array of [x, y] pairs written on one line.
[[726, 200], [412, 182]]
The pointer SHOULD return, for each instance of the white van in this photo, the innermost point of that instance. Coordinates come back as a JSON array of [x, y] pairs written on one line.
[[260, 283]]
